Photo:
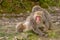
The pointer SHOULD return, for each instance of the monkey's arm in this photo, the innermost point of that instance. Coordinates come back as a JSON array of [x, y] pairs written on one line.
[[36, 29], [48, 20]]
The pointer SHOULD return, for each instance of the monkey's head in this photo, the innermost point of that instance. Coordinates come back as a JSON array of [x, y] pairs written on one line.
[[38, 16]]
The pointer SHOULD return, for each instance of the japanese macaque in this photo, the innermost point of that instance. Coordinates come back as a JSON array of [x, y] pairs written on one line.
[[45, 15], [39, 21]]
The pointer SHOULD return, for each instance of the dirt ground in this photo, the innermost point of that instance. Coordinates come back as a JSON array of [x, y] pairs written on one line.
[[8, 32]]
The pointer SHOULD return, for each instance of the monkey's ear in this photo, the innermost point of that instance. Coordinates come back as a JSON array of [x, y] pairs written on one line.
[[36, 8]]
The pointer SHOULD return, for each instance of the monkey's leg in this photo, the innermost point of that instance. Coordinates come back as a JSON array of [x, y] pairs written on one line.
[[20, 27], [44, 28], [38, 31]]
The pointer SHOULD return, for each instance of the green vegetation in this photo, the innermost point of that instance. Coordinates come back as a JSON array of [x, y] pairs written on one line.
[[18, 6], [52, 34], [30, 35]]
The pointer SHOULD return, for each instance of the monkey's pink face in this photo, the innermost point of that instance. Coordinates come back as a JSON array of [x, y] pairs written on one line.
[[38, 16], [37, 19]]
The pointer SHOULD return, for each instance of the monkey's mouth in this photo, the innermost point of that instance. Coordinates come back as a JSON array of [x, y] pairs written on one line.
[[38, 19]]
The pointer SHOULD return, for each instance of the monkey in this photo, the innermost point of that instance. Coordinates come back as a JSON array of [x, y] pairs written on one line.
[[27, 25], [31, 23], [45, 20], [39, 21], [47, 16]]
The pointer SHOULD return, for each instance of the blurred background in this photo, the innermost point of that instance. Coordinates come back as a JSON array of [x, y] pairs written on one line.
[[16, 6]]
